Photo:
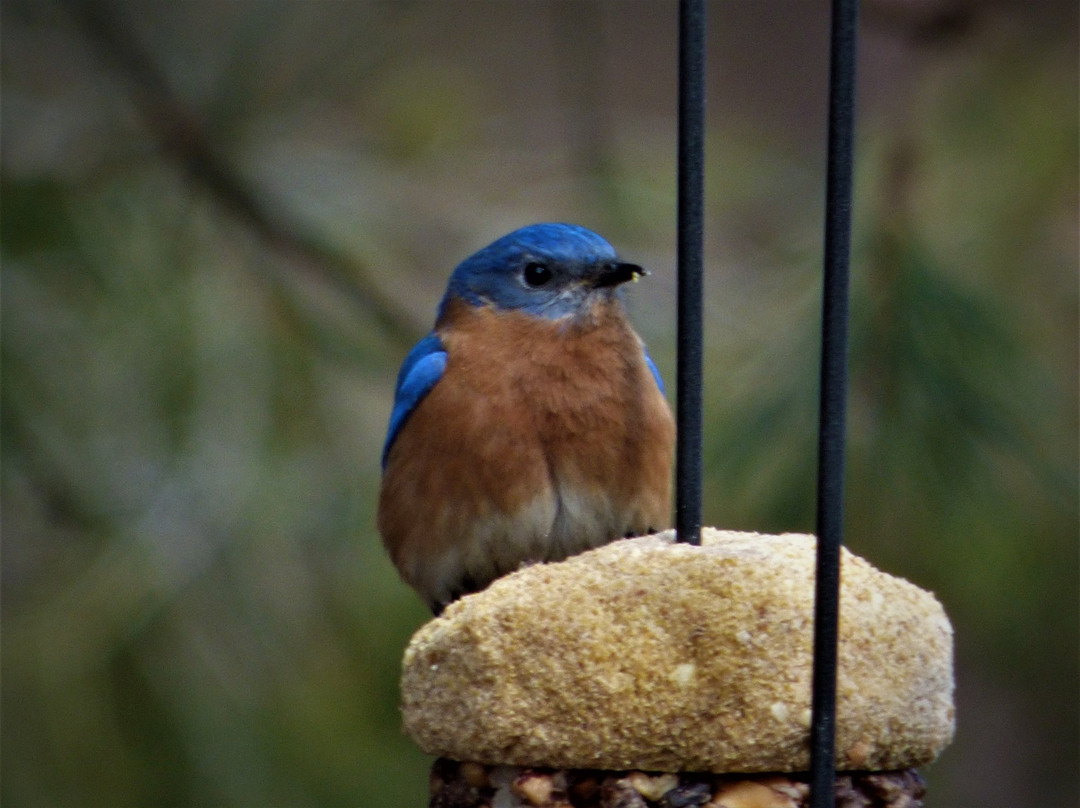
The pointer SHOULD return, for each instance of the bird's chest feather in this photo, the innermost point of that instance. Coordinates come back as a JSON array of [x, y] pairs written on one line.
[[538, 441], [574, 390]]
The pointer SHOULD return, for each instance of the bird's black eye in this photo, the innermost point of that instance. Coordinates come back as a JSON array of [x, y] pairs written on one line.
[[537, 274]]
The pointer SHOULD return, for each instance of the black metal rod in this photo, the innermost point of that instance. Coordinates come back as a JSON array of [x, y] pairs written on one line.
[[691, 195], [831, 428]]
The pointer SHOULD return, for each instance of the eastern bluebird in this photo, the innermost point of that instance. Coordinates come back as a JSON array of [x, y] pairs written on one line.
[[530, 424]]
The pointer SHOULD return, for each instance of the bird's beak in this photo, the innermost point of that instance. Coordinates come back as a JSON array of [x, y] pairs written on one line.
[[616, 274]]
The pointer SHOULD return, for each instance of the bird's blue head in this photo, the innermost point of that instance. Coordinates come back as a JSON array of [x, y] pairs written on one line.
[[549, 270]]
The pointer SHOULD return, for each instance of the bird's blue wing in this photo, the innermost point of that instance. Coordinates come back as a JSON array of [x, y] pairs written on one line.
[[655, 372], [422, 368]]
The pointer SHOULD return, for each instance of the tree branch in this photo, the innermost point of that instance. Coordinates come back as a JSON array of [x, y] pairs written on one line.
[[183, 139]]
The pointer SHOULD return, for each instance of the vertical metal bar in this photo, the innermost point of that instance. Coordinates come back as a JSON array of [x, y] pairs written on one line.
[[691, 194], [834, 353]]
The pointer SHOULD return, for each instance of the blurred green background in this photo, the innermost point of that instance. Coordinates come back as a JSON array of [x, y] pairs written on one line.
[[223, 223]]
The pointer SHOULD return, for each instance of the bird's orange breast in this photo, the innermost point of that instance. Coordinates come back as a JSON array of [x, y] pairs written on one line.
[[542, 438]]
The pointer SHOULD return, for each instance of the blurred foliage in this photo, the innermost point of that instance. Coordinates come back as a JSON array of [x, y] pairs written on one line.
[[223, 222]]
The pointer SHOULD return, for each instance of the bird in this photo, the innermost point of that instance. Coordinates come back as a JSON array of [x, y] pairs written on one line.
[[530, 424]]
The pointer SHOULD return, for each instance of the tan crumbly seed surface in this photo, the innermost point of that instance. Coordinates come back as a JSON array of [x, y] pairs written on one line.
[[646, 654]]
